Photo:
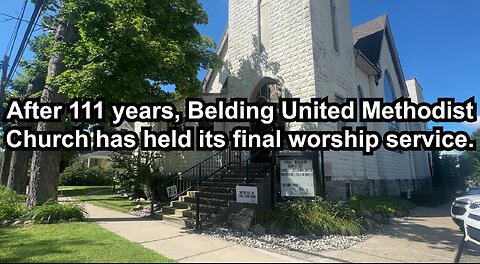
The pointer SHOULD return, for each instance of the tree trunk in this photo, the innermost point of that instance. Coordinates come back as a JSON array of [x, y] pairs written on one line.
[[18, 175], [20, 160], [5, 167], [18, 171], [46, 164]]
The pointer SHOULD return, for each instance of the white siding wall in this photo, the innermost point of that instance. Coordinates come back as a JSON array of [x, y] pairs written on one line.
[[392, 165]]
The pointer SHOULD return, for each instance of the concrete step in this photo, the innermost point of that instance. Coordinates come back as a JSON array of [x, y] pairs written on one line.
[[218, 189], [209, 208], [173, 211], [175, 219], [205, 200], [216, 195], [219, 184], [238, 179]]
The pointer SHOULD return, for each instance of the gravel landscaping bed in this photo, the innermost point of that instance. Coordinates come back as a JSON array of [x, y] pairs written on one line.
[[280, 243]]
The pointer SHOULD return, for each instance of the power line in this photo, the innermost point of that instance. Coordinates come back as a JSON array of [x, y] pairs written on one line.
[[13, 38], [28, 33], [10, 17]]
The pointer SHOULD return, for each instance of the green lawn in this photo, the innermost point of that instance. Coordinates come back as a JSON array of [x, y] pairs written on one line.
[[101, 196], [72, 242]]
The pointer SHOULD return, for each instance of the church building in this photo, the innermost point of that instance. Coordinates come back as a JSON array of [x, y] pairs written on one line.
[[308, 49]]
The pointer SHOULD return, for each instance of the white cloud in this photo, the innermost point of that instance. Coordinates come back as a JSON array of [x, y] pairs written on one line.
[[474, 125]]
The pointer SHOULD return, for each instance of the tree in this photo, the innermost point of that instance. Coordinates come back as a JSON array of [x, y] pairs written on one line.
[[46, 164], [28, 83], [475, 159], [121, 50]]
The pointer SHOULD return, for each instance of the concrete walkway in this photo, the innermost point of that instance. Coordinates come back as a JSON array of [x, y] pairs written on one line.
[[428, 236], [177, 243]]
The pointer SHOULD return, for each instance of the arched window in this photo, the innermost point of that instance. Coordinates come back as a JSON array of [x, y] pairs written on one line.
[[389, 97], [264, 24], [388, 88]]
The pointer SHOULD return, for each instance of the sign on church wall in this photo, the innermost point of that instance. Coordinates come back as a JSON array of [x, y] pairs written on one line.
[[297, 178], [247, 194]]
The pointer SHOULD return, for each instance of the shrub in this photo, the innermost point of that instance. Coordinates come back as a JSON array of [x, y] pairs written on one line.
[[54, 212], [327, 218], [12, 205], [431, 198], [311, 216], [78, 175], [385, 206]]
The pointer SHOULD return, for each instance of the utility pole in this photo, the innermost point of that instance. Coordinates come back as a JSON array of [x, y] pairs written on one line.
[[3, 83]]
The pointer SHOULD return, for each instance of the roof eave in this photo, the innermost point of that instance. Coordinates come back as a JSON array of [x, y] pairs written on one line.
[[365, 64]]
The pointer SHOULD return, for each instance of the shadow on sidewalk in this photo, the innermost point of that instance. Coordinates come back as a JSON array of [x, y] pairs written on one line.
[[120, 219], [431, 226]]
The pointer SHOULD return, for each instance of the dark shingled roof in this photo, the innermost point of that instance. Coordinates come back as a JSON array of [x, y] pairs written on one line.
[[368, 37]]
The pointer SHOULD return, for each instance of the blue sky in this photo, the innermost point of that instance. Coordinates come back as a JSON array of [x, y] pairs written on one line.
[[438, 40]]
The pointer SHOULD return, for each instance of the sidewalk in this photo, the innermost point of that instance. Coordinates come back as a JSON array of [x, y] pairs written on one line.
[[177, 243]]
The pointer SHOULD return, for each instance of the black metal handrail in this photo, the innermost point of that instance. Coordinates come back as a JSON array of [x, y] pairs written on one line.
[[195, 175], [252, 170]]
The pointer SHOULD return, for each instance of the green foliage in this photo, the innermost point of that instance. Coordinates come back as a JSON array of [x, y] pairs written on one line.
[[126, 50], [474, 156], [385, 206], [12, 205], [31, 80], [138, 175], [78, 175], [311, 216], [55, 212], [327, 218]]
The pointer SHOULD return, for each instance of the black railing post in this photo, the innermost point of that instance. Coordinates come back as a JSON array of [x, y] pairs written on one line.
[[113, 181], [197, 220], [197, 217], [273, 178], [248, 173]]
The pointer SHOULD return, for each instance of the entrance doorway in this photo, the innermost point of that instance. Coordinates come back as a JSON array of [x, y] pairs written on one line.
[[268, 91]]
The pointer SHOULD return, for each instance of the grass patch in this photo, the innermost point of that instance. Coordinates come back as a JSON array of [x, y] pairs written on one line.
[[71, 191], [100, 196], [72, 242]]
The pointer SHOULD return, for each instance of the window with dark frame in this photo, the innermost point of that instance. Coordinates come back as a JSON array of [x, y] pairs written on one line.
[[333, 15]]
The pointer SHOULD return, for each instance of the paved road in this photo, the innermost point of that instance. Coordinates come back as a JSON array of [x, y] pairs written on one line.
[[428, 236]]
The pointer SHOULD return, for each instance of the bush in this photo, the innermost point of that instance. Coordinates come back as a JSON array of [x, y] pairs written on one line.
[[315, 216], [382, 205], [12, 205], [431, 198], [78, 175], [327, 218], [55, 212]]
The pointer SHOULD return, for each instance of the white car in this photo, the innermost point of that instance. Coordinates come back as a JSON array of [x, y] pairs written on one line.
[[472, 224], [460, 208]]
